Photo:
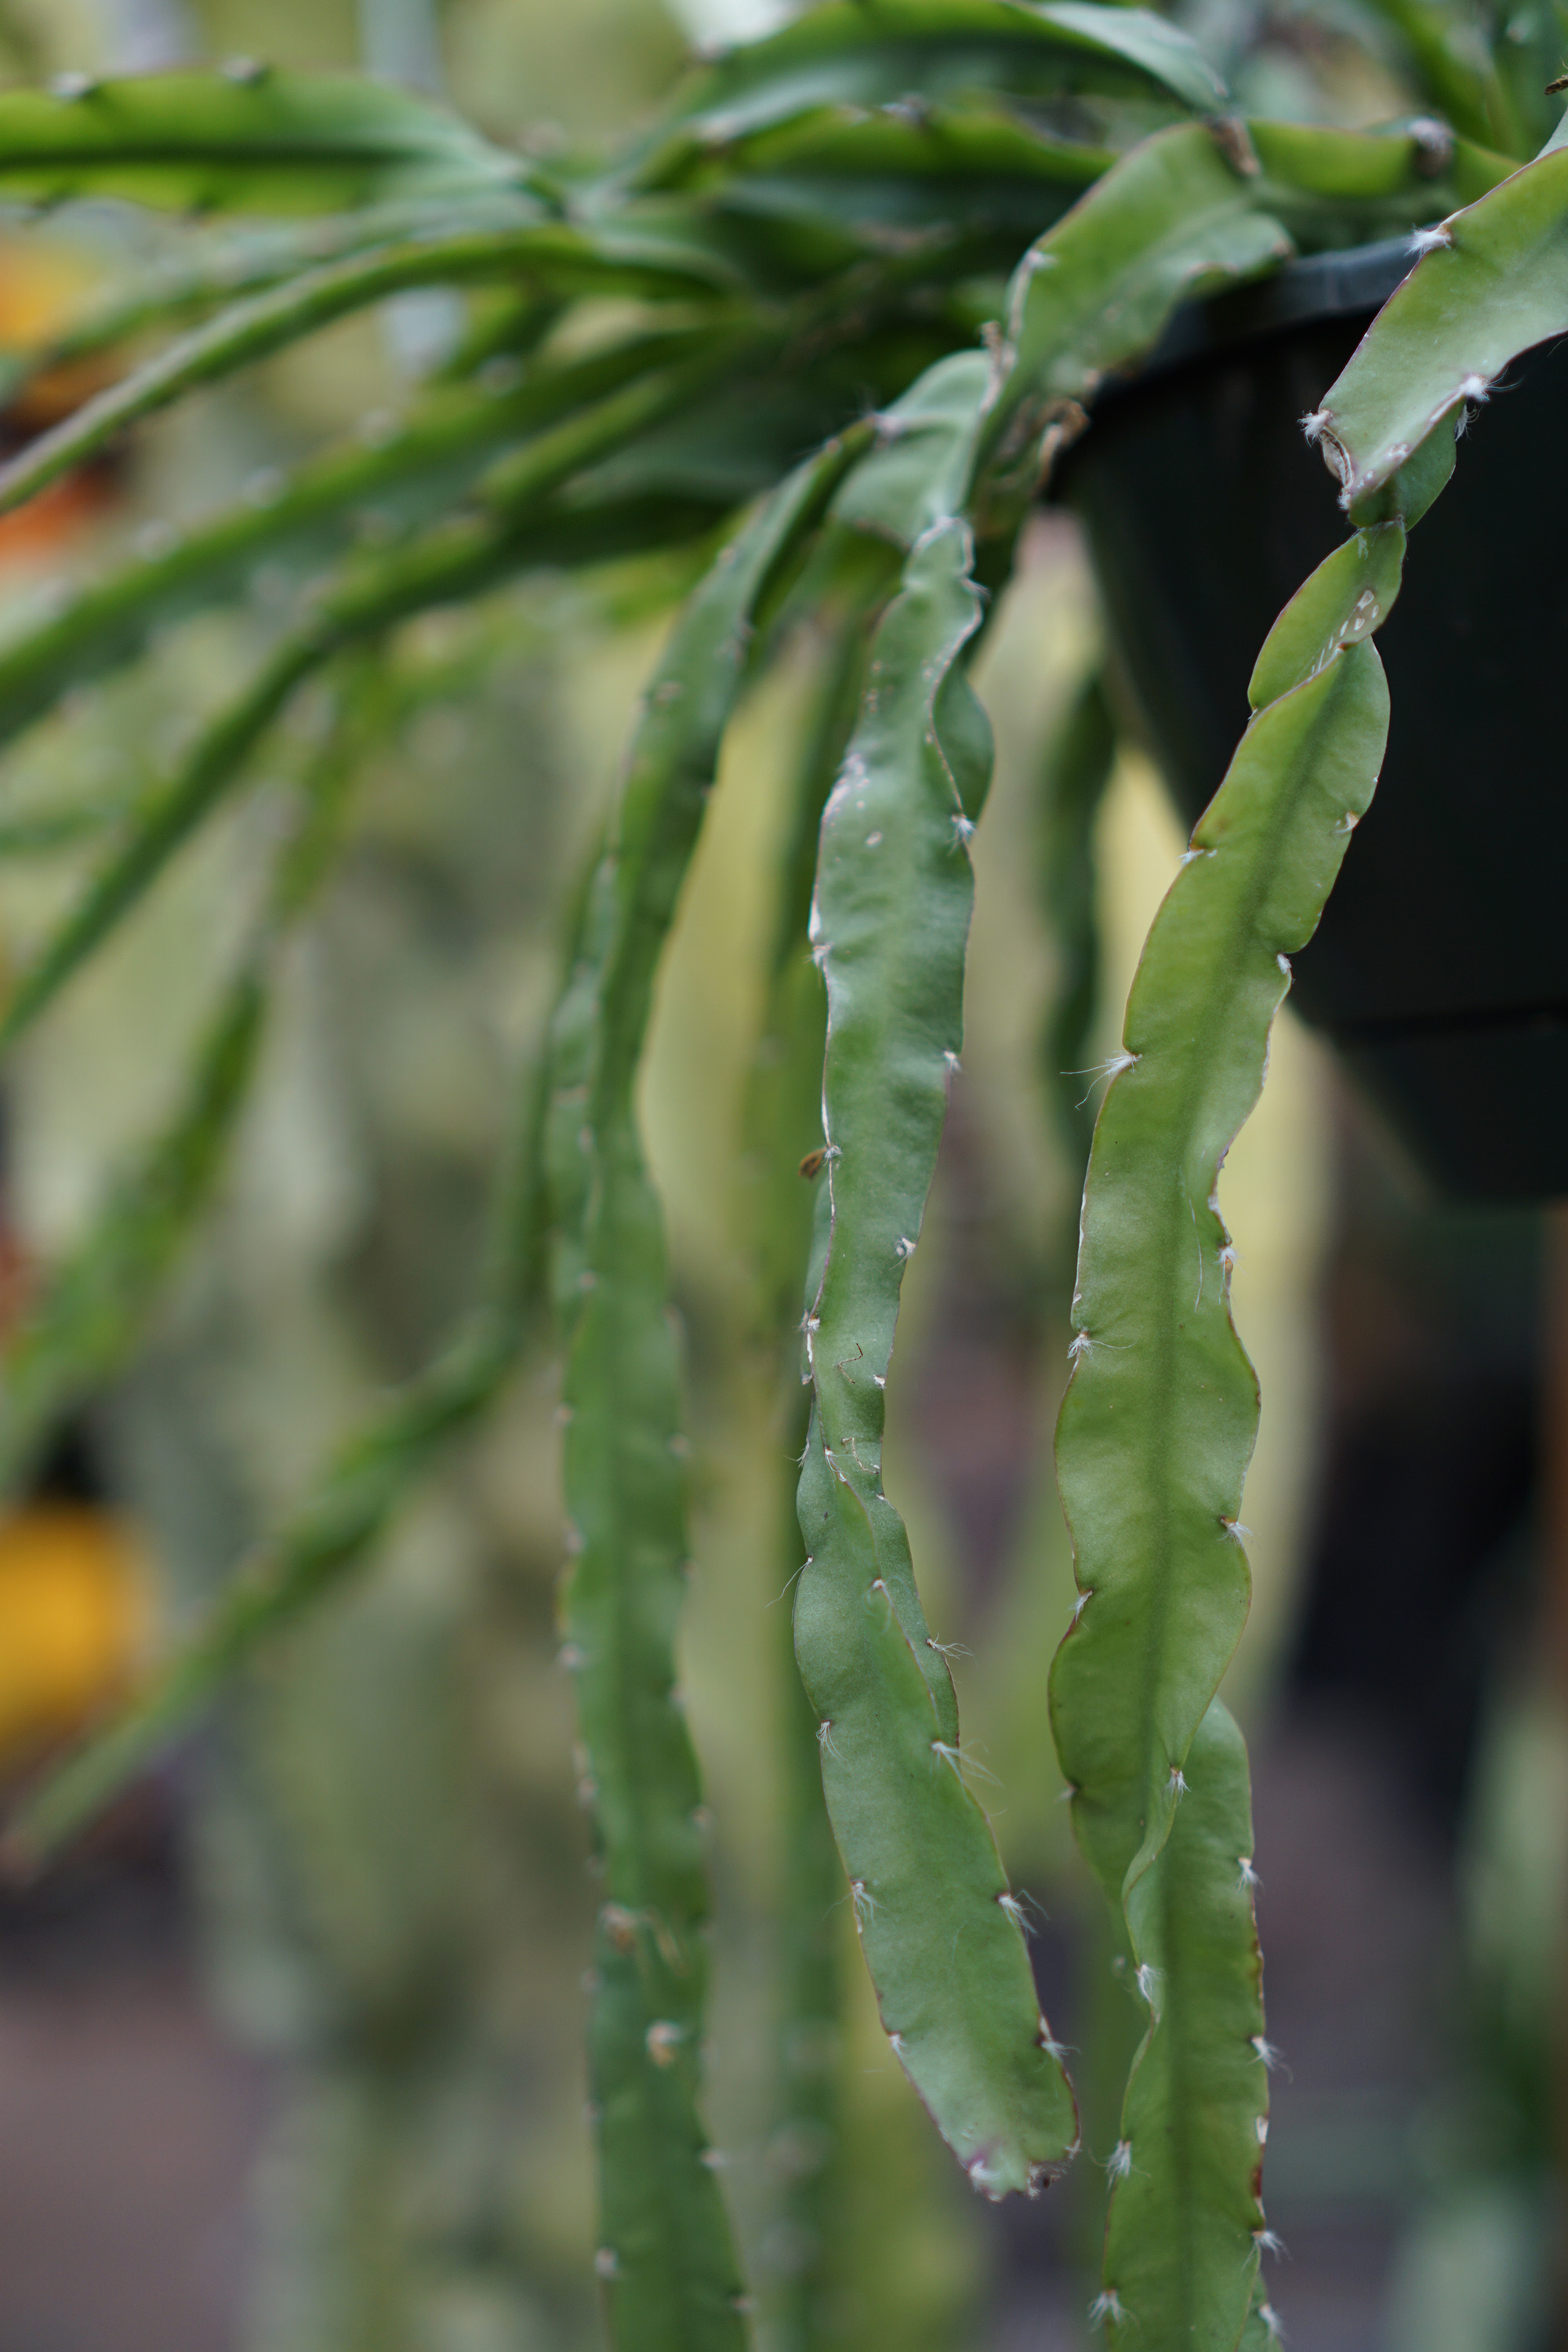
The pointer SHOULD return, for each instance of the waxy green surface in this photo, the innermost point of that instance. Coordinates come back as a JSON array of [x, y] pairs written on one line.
[[1498, 286], [854, 126], [942, 1936], [782, 1123], [368, 595], [546, 255], [1175, 218], [1157, 1356], [1155, 1434], [670, 2273], [1079, 763], [869, 53], [1176, 214], [1182, 2237], [245, 140], [429, 461]]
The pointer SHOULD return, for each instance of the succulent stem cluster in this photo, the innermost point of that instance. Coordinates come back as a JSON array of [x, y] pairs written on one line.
[[913, 236]]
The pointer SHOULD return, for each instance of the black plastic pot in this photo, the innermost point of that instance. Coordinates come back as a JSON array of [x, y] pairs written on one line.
[[1440, 969]]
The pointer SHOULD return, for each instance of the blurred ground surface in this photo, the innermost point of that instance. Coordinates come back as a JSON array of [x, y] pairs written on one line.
[[130, 2121], [129, 2124]]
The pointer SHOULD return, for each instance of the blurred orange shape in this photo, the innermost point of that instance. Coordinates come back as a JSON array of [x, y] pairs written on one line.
[[74, 1613]]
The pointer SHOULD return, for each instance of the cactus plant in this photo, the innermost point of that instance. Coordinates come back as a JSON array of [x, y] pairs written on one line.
[[915, 238]]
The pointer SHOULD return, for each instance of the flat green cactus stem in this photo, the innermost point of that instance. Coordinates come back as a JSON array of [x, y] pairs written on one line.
[[1178, 215], [435, 453], [671, 2277], [545, 257], [1158, 1422], [1155, 1434], [1492, 282], [366, 598], [942, 1935], [923, 1868], [242, 140], [574, 459], [783, 1121], [867, 53]]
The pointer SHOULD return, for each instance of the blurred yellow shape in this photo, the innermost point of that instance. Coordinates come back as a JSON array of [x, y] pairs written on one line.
[[74, 1618]]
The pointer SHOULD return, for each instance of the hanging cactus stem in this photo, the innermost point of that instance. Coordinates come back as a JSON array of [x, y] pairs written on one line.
[[813, 340], [946, 1954]]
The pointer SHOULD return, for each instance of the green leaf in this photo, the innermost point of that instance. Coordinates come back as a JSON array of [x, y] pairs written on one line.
[[246, 141], [1157, 1424], [941, 1934], [1495, 285], [783, 1121], [965, 147], [369, 596], [571, 534], [919, 475], [219, 270], [948, 166], [1151, 43]]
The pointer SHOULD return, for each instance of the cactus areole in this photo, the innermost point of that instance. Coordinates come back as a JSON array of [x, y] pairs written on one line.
[[1440, 966]]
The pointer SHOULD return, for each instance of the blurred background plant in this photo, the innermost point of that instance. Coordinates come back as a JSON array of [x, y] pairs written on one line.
[[379, 1852]]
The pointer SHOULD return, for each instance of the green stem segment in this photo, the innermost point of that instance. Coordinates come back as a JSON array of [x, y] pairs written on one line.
[[546, 257], [432, 457], [941, 1933], [941, 1929], [1155, 1434], [1161, 1411], [245, 139], [364, 600], [810, 2235], [666, 2258]]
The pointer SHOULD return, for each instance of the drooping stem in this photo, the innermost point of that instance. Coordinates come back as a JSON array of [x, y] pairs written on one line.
[[670, 2276], [1155, 1434], [941, 1930], [783, 1119]]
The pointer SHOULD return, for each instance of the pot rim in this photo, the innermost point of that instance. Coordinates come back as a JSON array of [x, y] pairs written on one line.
[[1352, 282]]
